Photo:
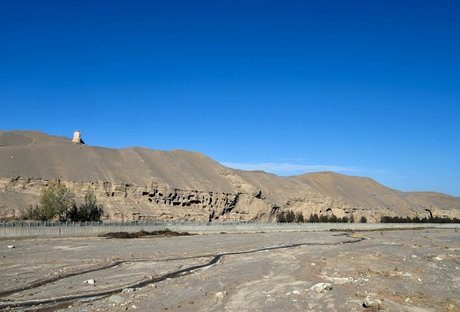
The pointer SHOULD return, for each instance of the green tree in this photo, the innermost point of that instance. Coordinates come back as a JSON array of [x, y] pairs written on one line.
[[313, 218], [56, 200], [333, 219], [323, 218], [299, 217], [290, 216], [352, 219], [282, 217], [363, 219], [73, 214], [90, 211]]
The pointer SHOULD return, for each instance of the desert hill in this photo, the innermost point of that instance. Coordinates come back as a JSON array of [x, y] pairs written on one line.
[[142, 184]]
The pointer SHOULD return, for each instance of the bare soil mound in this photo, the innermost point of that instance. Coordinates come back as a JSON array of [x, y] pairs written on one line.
[[144, 234]]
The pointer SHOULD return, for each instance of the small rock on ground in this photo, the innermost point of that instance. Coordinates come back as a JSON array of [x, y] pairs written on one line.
[[321, 287]]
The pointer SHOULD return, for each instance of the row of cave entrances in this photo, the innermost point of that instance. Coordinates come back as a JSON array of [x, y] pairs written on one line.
[[173, 199]]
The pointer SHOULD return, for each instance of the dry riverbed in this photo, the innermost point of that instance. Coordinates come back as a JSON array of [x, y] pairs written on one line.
[[416, 270]]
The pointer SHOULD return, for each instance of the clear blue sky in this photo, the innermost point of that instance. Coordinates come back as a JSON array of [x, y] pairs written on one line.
[[367, 88]]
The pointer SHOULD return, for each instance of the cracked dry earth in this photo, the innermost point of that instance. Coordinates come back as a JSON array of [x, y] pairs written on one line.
[[412, 270]]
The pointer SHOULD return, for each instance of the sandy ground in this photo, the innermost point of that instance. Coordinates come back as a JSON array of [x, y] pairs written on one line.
[[417, 270]]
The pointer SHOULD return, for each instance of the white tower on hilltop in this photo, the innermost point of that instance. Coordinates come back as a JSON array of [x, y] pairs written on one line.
[[77, 137]]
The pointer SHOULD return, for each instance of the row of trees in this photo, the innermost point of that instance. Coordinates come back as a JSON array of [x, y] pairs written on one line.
[[435, 219], [289, 216], [57, 202]]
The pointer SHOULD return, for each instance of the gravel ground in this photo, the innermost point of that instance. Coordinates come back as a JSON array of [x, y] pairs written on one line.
[[412, 270]]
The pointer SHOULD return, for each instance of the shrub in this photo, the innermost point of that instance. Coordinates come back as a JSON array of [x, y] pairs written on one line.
[[363, 219], [31, 213]]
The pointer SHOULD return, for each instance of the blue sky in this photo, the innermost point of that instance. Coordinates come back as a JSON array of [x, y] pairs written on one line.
[[367, 88]]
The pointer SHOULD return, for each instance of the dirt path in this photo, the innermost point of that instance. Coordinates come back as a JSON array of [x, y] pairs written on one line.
[[405, 270]]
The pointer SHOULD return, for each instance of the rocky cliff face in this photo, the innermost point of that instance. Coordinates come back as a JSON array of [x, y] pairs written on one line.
[[150, 185], [151, 202], [129, 202]]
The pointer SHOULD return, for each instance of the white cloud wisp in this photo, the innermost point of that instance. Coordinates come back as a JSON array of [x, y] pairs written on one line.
[[288, 168]]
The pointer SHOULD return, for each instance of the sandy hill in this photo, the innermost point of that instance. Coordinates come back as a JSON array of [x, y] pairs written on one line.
[[144, 184], [369, 194]]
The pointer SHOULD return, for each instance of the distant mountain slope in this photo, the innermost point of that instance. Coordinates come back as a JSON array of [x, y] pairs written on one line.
[[369, 194], [143, 184]]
